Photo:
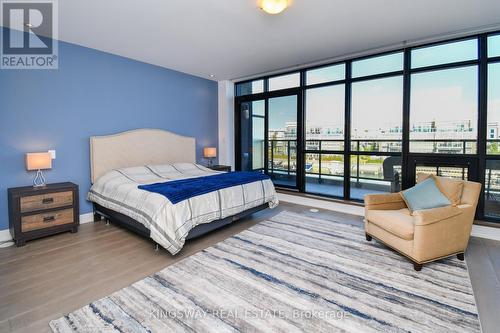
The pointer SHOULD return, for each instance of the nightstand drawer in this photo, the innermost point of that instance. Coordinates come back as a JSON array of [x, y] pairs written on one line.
[[46, 201], [46, 220]]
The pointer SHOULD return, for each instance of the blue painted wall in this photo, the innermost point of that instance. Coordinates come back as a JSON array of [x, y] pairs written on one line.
[[93, 93]]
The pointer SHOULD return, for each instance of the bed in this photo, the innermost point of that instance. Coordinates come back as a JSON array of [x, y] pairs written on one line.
[[123, 162]]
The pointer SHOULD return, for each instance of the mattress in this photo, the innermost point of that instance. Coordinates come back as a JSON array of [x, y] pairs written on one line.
[[170, 223]]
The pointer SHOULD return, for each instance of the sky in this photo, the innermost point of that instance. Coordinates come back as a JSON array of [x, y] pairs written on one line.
[[377, 104], [445, 95], [282, 110], [326, 74], [494, 91], [326, 106], [494, 46], [380, 64], [444, 53]]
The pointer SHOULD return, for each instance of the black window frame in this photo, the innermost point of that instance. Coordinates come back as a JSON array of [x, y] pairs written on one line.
[[478, 159]]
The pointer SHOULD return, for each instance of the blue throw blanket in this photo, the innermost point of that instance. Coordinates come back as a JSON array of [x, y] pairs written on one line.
[[179, 190]]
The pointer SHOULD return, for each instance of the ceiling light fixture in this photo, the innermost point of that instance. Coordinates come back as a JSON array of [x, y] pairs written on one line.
[[212, 75], [273, 6]]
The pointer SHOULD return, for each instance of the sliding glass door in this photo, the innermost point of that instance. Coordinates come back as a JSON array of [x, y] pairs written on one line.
[[268, 137], [282, 140], [252, 135]]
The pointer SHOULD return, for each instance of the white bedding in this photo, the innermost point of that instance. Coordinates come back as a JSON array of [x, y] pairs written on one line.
[[169, 224]]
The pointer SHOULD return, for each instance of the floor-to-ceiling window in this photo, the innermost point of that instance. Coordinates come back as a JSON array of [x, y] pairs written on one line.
[[371, 124], [376, 125], [444, 109], [324, 130], [444, 102]]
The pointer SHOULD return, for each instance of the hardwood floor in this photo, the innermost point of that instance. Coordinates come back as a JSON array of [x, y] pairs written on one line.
[[52, 276]]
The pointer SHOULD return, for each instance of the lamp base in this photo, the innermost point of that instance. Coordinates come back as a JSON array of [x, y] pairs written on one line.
[[39, 180]]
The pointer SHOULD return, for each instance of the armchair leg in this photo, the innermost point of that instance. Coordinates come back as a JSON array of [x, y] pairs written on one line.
[[368, 237], [461, 256], [417, 266]]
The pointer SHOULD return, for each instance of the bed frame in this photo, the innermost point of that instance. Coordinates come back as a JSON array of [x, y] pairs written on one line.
[[140, 147], [137, 227]]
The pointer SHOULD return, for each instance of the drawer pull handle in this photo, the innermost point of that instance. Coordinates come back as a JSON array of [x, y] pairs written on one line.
[[46, 201], [48, 219]]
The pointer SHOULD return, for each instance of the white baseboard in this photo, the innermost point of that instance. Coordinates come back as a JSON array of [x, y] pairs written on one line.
[[86, 218], [477, 230], [5, 235], [485, 232], [323, 204]]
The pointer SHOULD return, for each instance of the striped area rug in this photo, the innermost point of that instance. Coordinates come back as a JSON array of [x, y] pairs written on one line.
[[291, 273]]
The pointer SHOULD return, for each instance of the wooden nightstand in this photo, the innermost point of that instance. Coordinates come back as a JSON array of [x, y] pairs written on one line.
[[39, 212], [225, 168]]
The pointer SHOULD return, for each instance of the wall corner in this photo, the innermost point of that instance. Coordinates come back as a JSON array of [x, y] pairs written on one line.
[[226, 123]]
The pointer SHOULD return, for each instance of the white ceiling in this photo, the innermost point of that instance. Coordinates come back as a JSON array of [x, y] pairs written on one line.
[[234, 38]]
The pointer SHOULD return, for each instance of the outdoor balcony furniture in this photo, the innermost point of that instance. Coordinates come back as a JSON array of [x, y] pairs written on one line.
[[390, 172], [426, 235]]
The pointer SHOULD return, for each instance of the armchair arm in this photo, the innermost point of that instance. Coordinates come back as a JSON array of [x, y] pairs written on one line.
[[440, 232], [434, 215], [389, 201]]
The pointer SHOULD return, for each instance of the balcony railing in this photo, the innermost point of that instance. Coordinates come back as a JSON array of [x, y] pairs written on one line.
[[275, 147], [282, 155], [282, 161], [443, 146]]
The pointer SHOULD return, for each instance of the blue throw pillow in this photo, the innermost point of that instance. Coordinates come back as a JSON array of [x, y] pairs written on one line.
[[425, 195]]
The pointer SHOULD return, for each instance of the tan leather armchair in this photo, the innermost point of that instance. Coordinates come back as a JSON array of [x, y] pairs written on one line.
[[425, 235]]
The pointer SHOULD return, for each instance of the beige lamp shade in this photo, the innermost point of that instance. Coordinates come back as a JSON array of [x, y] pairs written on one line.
[[209, 152], [38, 161]]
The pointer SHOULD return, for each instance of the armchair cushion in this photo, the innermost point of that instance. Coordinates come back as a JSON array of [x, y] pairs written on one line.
[[424, 195], [451, 188], [397, 222]]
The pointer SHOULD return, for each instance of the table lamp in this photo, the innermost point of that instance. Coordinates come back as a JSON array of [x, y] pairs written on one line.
[[210, 153], [39, 162]]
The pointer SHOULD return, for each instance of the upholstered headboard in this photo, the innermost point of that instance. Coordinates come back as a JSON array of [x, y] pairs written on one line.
[[138, 147]]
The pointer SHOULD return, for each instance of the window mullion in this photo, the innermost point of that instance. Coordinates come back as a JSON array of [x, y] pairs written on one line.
[[406, 118], [347, 132], [482, 117]]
